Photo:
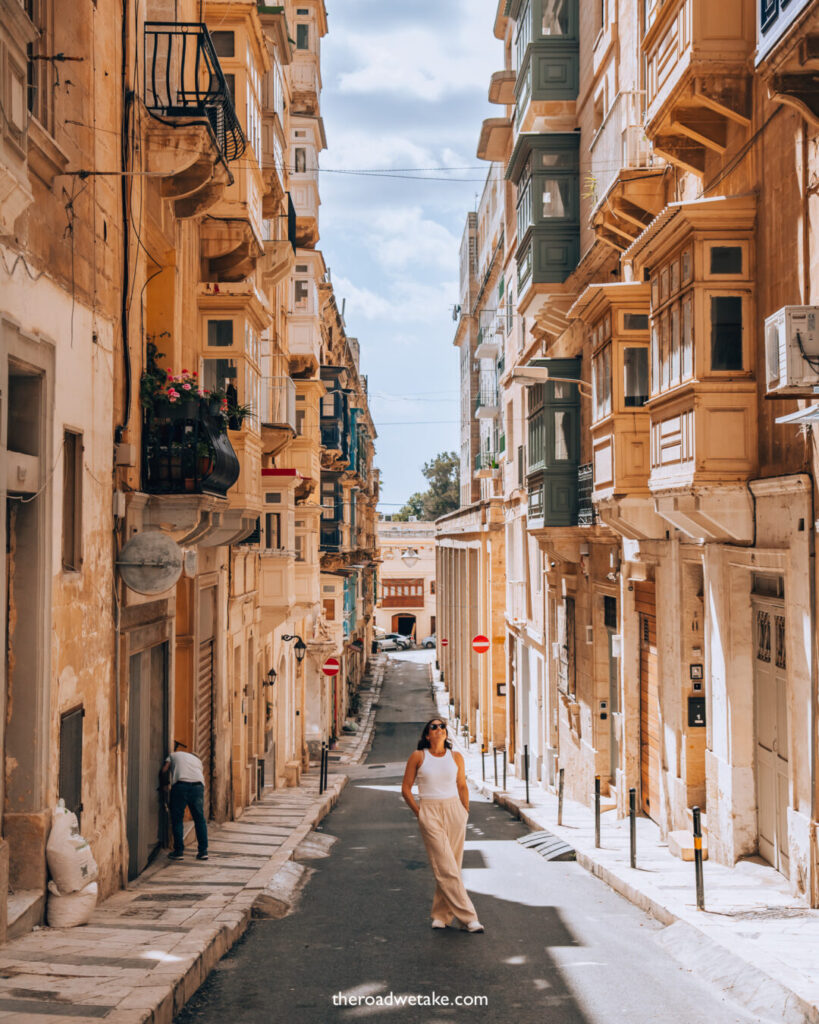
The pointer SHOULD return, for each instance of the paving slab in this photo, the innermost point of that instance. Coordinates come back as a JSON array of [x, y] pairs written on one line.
[[755, 937], [148, 948]]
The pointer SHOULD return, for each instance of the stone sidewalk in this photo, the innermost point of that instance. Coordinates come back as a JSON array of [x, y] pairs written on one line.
[[147, 949], [754, 939]]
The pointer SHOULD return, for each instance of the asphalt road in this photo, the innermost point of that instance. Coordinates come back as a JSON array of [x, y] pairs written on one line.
[[559, 945]]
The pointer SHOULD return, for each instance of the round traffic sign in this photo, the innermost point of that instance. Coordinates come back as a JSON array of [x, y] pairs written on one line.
[[480, 644], [331, 667], [444, 643]]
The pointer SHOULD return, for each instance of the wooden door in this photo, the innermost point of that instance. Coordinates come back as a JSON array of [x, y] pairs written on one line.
[[649, 701], [771, 717], [204, 715]]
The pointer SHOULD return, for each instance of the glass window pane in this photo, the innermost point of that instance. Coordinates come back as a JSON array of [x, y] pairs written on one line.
[[635, 321], [687, 339], [220, 333], [655, 360], [675, 345], [665, 355], [218, 373], [726, 332], [302, 37], [555, 198], [223, 43], [726, 259], [555, 18], [635, 377], [562, 423]]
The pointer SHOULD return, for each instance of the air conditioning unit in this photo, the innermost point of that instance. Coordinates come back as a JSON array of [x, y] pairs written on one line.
[[792, 350]]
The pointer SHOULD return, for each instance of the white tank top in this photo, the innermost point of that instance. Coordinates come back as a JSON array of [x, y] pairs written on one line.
[[436, 777]]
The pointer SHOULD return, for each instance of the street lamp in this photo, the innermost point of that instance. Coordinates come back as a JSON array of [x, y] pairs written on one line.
[[270, 678], [300, 647], [409, 557]]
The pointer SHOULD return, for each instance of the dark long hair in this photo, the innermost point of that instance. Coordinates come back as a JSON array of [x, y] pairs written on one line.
[[424, 744]]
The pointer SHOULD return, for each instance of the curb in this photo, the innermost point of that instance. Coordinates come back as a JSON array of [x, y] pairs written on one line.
[[746, 980], [237, 915]]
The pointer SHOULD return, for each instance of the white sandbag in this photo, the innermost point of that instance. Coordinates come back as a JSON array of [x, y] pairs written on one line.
[[71, 910], [69, 856]]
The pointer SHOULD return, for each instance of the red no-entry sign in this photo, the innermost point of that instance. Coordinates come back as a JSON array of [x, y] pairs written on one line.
[[480, 644], [331, 667], [444, 643]]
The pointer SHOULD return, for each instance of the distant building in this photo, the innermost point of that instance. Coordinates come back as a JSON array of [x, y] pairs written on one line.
[[406, 592]]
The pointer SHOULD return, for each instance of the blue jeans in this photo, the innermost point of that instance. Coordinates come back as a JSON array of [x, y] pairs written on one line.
[[188, 794]]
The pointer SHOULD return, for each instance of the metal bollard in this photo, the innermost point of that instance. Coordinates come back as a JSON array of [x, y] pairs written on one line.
[[526, 768], [597, 812], [504, 769], [483, 762], [632, 825], [321, 770], [495, 759], [560, 798], [326, 765], [695, 811]]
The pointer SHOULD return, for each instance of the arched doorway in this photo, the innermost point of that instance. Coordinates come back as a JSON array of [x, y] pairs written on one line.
[[404, 624]]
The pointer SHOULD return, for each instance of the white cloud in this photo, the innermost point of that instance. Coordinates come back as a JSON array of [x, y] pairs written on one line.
[[403, 237], [423, 62], [403, 301]]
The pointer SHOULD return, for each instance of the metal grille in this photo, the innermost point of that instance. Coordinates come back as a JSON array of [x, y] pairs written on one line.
[[204, 712], [763, 636], [781, 659], [585, 508]]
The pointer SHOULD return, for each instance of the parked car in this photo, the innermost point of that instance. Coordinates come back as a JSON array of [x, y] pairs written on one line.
[[388, 643], [403, 641], [428, 641]]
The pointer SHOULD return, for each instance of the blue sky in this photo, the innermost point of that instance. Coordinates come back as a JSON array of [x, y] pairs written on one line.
[[404, 88]]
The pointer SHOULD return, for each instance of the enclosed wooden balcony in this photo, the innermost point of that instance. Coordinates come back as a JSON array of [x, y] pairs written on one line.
[[698, 85], [703, 392], [617, 319], [548, 63]]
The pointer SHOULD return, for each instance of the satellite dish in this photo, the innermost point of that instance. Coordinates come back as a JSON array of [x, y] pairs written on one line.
[[151, 562]]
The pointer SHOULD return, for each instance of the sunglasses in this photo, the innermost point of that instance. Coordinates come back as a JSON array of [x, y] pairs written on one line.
[[437, 727]]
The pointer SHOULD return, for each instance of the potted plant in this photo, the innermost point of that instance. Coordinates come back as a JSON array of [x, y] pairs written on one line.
[[204, 459], [236, 415]]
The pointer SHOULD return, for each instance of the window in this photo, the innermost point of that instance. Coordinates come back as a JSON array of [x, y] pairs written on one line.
[[72, 501], [635, 321], [223, 43], [329, 607], [556, 198], [217, 374], [610, 612], [601, 383], [40, 74], [300, 160], [300, 414], [687, 337], [726, 332], [635, 377], [272, 531], [300, 547], [726, 259], [302, 37], [555, 18], [432, 586], [301, 294], [220, 333]]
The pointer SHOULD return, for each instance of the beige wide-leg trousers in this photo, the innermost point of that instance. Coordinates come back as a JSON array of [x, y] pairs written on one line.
[[443, 829]]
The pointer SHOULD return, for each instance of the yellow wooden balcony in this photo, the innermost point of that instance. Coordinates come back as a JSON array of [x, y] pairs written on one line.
[[698, 88]]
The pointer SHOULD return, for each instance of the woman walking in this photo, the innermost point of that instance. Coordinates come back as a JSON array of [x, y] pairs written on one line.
[[442, 817]]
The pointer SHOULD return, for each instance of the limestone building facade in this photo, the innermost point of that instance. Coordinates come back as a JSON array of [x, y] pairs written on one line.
[[655, 388], [406, 579], [175, 364]]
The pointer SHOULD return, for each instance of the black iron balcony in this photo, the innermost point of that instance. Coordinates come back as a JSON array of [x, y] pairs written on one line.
[[186, 451], [332, 435], [183, 79]]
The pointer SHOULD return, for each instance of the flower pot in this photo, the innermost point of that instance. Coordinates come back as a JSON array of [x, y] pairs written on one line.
[[235, 422]]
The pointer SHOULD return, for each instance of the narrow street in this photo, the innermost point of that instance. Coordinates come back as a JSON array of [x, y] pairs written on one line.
[[559, 945]]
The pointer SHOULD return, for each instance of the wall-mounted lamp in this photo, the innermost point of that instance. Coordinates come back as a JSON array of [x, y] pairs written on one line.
[[300, 647], [409, 557], [270, 678]]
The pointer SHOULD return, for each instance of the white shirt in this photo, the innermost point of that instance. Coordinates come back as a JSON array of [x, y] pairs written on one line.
[[186, 768], [437, 776]]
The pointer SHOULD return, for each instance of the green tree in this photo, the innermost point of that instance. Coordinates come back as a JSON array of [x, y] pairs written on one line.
[[442, 495], [414, 507]]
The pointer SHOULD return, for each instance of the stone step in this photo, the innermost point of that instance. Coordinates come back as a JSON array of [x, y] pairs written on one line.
[[26, 910], [681, 844]]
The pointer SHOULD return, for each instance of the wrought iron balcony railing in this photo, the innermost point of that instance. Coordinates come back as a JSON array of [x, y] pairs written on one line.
[[183, 79], [330, 538], [186, 451], [486, 460]]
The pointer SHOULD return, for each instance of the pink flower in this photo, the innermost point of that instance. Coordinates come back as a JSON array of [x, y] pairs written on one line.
[[184, 371], [201, 393], [186, 387]]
